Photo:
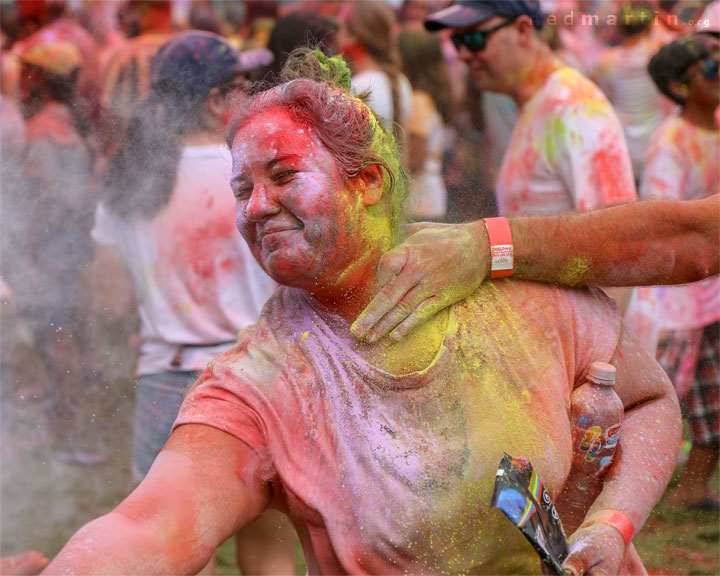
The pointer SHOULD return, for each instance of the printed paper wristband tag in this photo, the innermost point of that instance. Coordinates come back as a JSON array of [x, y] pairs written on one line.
[[501, 247]]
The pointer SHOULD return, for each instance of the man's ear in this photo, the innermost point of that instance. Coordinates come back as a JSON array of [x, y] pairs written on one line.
[[525, 28], [369, 184], [679, 89]]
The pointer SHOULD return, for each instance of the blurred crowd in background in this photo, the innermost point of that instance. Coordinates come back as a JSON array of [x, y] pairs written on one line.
[[75, 72]]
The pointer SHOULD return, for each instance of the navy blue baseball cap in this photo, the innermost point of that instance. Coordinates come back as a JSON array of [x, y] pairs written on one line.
[[194, 62], [462, 13]]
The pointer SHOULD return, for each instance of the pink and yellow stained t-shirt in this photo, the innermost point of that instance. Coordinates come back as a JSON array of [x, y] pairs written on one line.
[[567, 152], [683, 163], [387, 474]]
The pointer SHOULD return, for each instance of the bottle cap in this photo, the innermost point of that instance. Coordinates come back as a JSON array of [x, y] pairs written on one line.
[[602, 373]]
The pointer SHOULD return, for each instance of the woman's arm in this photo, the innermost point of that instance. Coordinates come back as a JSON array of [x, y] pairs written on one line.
[[644, 461], [198, 493], [646, 243]]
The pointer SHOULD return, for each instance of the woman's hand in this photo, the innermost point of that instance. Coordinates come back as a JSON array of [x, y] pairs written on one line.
[[23, 564], [438, 265], [596, 550]]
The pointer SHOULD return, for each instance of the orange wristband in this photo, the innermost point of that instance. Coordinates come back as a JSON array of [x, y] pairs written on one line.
[[613, 518], [501, 247]]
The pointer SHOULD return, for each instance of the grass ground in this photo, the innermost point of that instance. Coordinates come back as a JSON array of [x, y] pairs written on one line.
[[44, 500]]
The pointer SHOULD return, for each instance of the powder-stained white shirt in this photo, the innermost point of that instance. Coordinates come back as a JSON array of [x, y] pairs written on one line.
[[195, 277], [567, 152]]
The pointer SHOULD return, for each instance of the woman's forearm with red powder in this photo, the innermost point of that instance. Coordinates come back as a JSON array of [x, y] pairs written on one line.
[[118, 544], [194, 498], [646, 243]]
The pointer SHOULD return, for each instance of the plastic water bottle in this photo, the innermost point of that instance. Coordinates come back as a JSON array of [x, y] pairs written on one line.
[[596, 413]]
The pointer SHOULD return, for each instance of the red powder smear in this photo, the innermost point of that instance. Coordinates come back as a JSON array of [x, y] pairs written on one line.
[[521, 167], [199, 247], [198, 244], [605, 163], [46, 126], [661, 188], [695, 150]]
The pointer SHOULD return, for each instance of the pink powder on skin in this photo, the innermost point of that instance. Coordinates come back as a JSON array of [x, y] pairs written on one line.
[[294, 209]]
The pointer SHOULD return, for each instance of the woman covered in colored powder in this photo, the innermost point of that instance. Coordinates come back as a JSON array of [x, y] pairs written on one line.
[[383, 455]]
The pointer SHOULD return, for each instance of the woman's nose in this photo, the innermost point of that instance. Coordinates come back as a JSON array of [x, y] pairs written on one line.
[[261, 204]]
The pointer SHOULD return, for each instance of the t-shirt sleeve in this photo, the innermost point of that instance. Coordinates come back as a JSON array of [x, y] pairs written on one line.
[[593, 159], [223, 399]]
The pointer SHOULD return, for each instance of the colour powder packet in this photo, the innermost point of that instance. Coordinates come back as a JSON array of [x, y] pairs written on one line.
[[519, 494]]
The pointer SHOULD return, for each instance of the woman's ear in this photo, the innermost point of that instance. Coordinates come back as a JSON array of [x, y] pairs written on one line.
[[369, 184]]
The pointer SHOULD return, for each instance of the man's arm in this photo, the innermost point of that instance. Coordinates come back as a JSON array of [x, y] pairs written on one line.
[[637, 244], [647, 243], [195, 497], [643, 464]]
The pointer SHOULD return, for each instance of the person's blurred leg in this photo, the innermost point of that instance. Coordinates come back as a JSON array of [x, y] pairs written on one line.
[[693, 489], [266, 547], [158, 400], [703, 412]]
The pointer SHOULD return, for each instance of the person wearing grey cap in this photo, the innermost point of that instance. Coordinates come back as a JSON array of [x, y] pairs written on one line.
[[167, 218]]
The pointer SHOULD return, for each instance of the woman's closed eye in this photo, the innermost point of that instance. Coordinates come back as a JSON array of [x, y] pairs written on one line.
[[285, 177], [241, 192]]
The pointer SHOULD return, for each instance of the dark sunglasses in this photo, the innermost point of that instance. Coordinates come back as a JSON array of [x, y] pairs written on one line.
[[709, 69], [476, 40]]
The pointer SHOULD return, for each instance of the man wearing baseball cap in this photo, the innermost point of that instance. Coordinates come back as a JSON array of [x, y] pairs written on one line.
[[567, 151]]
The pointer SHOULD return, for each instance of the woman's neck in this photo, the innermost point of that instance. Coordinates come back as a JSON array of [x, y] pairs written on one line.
[[413, 353], [350, 293]]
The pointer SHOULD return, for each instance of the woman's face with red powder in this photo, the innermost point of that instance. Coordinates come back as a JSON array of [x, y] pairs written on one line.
[[292, 204]]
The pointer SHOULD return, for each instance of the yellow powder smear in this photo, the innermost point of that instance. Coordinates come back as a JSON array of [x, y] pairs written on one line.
[[576, 271]]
